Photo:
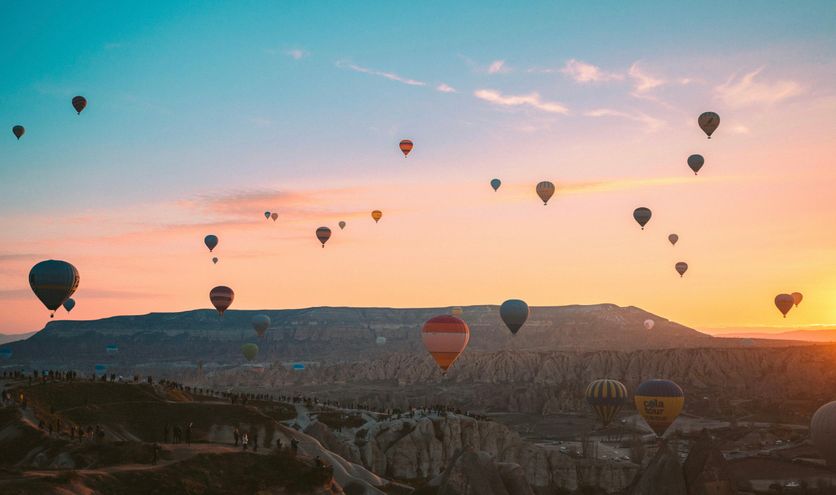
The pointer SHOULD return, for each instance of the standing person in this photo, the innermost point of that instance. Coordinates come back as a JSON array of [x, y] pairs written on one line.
[[156, 453], [189, 433], [236, 434], [294, 446], [245, 440]]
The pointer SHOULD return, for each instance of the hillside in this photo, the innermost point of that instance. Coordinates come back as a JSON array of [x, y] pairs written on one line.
[[341, 334], [824, 335]]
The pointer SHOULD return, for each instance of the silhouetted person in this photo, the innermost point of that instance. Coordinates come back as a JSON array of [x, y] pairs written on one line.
[[245, 440], [178, 434], [189, 433], [156, 449], [279, 444], [294, 446], [236, 434]]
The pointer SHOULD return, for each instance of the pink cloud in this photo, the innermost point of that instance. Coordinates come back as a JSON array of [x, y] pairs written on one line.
[[532, 100], [583, 72], [747, 91]]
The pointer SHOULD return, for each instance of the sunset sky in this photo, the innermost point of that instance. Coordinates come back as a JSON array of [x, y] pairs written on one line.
[[202, 117]]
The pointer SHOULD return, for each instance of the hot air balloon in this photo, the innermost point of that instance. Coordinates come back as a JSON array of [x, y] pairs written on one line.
[[323, 234], [673, 238], [215, 260], [211, 241], [274, 216], [249, 351], [221, 297], [784, 303], [341, 224], [696, 162], [53, 281], [69, 304], [823, 432], [545, 190], [380, 340], [606, 397], [659, 402], [79, 103], [111, 348], [406, 147], [649, 324], [260, 324], [267, 215], [642, 215], [377, 215], [797, 298], [457, 312], [445, 337], [708, 122], [681, 268], [514, 312], [495, 183], [18, 131]]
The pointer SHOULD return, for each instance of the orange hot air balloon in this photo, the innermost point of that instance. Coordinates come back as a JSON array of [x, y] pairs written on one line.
[[797, 297], [221, 297], [784, 303], [323, 234], [79, 103], [406, 147], [274, 216], [445, 337], [545, 190], [377, 215]]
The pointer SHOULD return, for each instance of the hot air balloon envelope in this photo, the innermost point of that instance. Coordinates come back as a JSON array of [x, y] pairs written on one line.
[[659, 402], [642, 215], [53, 281], [405, 146], [323, 234], [377, 215], [823, 432], [784, 303], [708, 122], [211, 241], [297, 366], [267, 215], [18, 131], [249, 351], [495, 183], [221, 297], [681, 268], [445, 337], [696, 162], [457, 312], [342, 225], [673, 238], [69, 304], [79, 103], [215, 260], [260, 324], [607, 398], [545, 190], [797, 297], [274, 216], [514, 313]]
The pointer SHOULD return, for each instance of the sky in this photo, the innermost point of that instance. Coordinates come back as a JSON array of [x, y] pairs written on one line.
[[203, 116]]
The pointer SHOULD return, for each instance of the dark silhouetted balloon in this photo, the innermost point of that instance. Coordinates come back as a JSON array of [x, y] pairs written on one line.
[[18, 131], [545, 190], [53, 282], [642, 216], [696, 162], [69, 304], [341, 224], [495, 183], [445, 337], [659, 402], [221, 297], [377, 215], [514, 312], [708, 122], [784, 303], [267, 215], [607, 397], [79, 103], [250, 351], [797, 297], [823, 432], [211, 241], [681, 268], [323, 234], [406, 147], [215, 260], [274, 216], [260, 324], [673, 238]]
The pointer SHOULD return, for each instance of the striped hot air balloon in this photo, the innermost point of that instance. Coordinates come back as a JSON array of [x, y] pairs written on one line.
[[607, 398], [323, 234], [53, 281], [445, 337], [659, 402], [260, 324], [406, 147], [221, 297], [545, 190]]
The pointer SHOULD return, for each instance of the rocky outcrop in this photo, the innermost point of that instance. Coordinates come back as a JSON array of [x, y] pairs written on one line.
[[706, 470], [662, 476], [476, 473]]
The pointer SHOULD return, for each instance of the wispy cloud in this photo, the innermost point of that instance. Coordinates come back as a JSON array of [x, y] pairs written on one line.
[[582, 72], [498, 67], [650, 123], [296, 53], [445, 88], [746, 91], [643, 82], [388, 75], [532, 100]]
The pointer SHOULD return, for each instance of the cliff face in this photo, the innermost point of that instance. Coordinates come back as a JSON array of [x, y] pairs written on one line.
[[427, 447], [344, 334]]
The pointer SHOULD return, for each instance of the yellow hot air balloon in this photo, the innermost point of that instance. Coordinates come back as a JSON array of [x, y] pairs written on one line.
[[377, 215], [659, 402]]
